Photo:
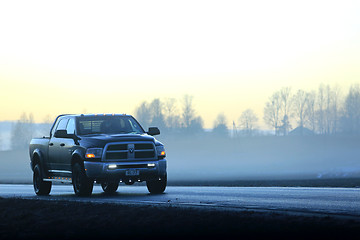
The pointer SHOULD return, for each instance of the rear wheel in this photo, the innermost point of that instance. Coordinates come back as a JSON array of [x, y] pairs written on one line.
[[110, 187], [40, 187], [157, 186], [83, 186]]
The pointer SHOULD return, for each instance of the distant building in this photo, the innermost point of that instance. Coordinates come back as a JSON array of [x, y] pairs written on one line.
[[301, 131]]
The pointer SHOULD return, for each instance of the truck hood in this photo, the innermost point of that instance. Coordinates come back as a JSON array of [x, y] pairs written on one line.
[[100, 140]]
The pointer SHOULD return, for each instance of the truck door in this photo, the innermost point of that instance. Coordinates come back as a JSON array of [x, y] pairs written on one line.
[[55, 146], [67, 147]]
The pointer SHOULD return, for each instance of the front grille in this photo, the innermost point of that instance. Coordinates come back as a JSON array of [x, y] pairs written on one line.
[[116, 155], [117, 147], [142, 146], [130, 151], [146, 154]]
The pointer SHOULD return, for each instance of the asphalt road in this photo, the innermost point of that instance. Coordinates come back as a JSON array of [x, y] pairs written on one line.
[[324, 201]]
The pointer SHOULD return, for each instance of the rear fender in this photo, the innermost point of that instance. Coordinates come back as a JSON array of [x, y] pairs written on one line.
[[38, 157]]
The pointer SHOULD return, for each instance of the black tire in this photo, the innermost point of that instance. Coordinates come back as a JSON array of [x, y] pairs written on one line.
[[83, 186], [110, 187], [41, 187], [157, 186]]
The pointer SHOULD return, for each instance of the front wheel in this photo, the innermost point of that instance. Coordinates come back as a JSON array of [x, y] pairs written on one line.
[[157, 186], [83, 186], [40, 187], [110, 187]]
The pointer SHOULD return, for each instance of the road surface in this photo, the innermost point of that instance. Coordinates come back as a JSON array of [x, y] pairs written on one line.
[[327, 201]]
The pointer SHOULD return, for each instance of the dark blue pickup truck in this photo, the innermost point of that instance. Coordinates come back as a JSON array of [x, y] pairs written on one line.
[[104, 148]]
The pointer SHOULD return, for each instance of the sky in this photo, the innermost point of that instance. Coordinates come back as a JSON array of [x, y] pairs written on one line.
[[108, 56]]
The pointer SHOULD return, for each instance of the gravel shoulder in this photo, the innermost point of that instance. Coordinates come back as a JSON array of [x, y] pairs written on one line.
[[39, 219]]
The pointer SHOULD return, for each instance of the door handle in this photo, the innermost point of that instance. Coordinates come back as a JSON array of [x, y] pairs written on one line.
[[62, 144], [51, 144]]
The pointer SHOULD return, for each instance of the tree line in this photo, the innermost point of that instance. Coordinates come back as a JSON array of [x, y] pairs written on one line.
[[325, 111], [167, 115], [24, 129]]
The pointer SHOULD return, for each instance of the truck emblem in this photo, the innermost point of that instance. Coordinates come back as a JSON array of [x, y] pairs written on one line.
[[131, 150]]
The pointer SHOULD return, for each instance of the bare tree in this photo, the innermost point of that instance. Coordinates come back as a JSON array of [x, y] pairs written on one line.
[[321, 109], [285, 95], [272, 111], [22, 132], [143, 114], [163, 114], [171, 116], [351, 119], [220, 120], [220, 126], [327, 113], [248, 121], [311, 111], [332, 97], [157, 117], [335, 107], [300, 103], [188, 112], [196, 125]]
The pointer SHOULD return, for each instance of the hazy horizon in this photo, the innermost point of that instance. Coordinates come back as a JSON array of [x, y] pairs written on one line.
[[81, 56]]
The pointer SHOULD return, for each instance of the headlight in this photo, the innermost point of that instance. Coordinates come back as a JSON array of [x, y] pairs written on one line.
[[160, 151], [93, 153]]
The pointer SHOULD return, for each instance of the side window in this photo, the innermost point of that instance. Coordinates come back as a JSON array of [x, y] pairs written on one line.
[[54, 128], [70, 128], [62, 124]]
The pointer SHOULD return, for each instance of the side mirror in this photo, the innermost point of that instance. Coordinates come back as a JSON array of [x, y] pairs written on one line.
[[153, 131], [62, 134]]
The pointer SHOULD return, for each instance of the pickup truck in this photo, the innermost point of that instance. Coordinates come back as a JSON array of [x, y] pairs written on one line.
[[104, 148]]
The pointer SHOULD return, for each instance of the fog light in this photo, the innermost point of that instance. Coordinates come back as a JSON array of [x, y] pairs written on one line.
[[112, 166], [151, 165]]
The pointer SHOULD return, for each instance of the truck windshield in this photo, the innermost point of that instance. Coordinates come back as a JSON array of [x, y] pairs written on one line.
[[108, 125]]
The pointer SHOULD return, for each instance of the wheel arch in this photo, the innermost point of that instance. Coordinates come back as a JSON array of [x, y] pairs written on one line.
[[37, 157], [77, 158]]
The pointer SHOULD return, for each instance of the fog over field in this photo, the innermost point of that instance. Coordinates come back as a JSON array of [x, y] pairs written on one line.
[[205, 157], [267, 157]]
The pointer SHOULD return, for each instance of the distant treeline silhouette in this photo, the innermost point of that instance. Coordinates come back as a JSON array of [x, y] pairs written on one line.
[[323, 112]]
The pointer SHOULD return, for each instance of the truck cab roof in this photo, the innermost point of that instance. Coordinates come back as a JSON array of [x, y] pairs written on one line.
[[93, 115]]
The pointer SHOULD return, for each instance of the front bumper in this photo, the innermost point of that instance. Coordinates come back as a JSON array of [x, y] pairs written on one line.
[[145, 170]]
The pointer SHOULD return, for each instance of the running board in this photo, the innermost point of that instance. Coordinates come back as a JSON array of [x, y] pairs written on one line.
[[58, 179]]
